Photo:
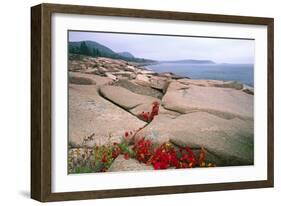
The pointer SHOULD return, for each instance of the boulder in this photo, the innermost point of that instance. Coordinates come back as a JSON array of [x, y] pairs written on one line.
[[123, 74], [160, 83], [121, 164], [142, 77], [111, 76], [140, 83], [132, 76], [224, 102], [131, 68], [83, 66], [230, 140], [146, 72], [94, 120], [102, 70], [97, 79], [139, 89], [247, 89], [124, 97], [90, 71], [77, 78]]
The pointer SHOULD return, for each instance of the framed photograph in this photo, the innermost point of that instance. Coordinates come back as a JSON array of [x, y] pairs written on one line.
[[130, 102]]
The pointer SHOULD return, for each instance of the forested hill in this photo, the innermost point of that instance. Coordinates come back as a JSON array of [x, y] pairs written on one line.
[[95, 49]]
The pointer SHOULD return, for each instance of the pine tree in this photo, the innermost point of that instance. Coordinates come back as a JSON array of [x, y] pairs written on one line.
[[98, 53], [94, 52], [84, 49]]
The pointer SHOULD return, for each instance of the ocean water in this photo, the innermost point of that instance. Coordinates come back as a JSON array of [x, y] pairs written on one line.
[[243, 73]]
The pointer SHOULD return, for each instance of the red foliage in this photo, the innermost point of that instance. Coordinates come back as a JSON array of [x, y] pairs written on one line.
[[155, 109], [162, 157], [167, 156], [115, 152], [143, 150], [126, 156], [149, 116], [126, 134], [202, 157], [190, 158], [104, 160]]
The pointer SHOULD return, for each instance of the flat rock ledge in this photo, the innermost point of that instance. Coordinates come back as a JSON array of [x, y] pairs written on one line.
[[125, 98], [95, 121], [224, 102], [230, 140]]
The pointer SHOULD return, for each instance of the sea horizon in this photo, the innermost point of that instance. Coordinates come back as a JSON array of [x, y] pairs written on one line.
[[243, 73]]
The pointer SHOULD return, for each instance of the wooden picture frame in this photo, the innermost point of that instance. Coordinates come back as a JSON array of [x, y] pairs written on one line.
[[41, 97]]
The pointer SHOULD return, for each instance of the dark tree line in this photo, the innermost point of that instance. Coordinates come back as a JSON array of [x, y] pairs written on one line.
[[83, 49]]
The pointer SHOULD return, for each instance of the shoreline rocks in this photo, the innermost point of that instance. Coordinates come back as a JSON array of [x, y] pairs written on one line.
[[107, 95], [224, 102]]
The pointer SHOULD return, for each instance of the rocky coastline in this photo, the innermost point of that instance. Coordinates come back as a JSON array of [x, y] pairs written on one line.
[[107, 95]]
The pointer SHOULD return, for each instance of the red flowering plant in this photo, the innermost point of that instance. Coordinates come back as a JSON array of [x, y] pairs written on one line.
[[187, 158], [145, 151], [149, 116], [164, 157], [161, 157], [167, 156]]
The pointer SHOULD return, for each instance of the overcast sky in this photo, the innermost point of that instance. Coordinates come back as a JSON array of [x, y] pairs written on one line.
[[174, 48]]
